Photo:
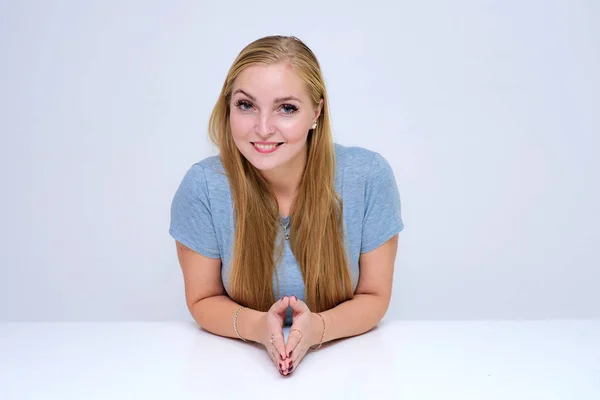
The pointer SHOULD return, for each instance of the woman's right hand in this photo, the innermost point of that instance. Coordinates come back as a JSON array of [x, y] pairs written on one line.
[[273, 339]]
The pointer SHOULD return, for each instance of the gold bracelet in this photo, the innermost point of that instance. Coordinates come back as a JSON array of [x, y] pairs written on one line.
[[235, 323], [323, 335]]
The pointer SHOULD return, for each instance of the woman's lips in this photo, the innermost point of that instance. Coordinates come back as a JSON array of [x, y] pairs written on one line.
[[266, 147]]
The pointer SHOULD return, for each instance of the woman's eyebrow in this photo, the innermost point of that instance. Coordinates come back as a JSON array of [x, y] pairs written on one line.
[[245, 94], [288, 98], [278, 100]]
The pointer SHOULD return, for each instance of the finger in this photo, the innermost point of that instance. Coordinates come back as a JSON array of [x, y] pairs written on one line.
[[298, 354], [298, 305], [296, 358], [273, 356], [294, 337], [281, 305], [278, 344]]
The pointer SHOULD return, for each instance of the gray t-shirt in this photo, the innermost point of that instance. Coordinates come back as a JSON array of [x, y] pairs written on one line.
[[202, 214]]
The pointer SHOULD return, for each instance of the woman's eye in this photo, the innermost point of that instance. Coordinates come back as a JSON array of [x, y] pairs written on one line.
[[289, 108], [243, 105]]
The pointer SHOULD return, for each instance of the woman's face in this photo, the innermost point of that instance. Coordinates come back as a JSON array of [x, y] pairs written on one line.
[[271, 114]]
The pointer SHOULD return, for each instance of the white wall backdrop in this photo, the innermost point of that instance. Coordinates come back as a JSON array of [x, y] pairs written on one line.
[[488, 111]]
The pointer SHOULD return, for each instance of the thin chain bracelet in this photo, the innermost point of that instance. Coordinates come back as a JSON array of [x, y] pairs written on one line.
[[235, 323], [323, 335]]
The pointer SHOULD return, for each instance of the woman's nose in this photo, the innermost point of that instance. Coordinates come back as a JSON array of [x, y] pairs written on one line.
[[264, 126]]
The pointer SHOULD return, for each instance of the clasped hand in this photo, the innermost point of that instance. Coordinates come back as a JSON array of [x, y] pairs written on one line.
[[305, 332]]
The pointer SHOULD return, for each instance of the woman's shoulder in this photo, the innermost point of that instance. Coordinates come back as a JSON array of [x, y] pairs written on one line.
[[210, 163], [359, 160], [208, 169], [206, 178]]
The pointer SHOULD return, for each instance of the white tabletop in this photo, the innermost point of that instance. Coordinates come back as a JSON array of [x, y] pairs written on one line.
[[400, 360]]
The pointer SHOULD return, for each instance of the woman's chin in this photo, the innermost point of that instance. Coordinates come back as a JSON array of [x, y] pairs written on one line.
[[264, 165]]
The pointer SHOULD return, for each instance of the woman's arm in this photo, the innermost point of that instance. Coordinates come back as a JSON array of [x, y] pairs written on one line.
[[207, 301], [371, 299]]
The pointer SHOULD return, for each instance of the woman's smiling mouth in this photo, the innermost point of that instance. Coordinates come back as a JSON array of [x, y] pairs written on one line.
[[266, 147]]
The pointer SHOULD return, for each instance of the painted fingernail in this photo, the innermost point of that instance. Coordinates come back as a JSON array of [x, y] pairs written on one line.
[[290, 354], [290, 369], [282, 357]]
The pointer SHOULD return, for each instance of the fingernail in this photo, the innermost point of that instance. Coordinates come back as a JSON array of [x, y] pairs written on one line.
[[290, 369], [281, 356], [290, 354], [295, 298]]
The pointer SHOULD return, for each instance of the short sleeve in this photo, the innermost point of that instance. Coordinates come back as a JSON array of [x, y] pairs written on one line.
[[382, 216], [191, 218]]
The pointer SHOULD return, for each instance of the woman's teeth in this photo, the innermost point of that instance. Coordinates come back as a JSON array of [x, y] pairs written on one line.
[[266, 146]]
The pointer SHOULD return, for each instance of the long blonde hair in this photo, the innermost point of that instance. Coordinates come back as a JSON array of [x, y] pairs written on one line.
[[316, 227]]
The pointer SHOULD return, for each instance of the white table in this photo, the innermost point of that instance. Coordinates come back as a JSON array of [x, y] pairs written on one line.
[[400, 360]]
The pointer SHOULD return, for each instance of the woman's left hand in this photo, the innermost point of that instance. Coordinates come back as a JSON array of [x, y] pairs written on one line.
[[305, 332]]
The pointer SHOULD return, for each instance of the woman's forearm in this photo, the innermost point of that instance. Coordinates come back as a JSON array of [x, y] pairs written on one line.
[[215, 314], [350, 318], [353, 317]]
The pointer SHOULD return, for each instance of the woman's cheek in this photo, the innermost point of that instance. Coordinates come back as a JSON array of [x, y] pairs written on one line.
[[240, 127], [294, 131]]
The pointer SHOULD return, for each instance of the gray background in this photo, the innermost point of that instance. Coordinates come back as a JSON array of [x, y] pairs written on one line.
[[488, 112]]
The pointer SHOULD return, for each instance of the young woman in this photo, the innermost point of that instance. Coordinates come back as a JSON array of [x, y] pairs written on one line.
[[284, 226]]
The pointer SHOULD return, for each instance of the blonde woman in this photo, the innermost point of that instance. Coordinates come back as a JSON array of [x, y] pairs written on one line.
[[284, 226]]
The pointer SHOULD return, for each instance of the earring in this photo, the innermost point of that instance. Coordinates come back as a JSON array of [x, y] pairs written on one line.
[[314, 125]]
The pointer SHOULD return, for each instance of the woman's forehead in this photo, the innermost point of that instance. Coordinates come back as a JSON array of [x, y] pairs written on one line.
[[269, 82]]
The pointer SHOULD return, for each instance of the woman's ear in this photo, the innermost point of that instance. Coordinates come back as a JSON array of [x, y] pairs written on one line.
[[319, 109]]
